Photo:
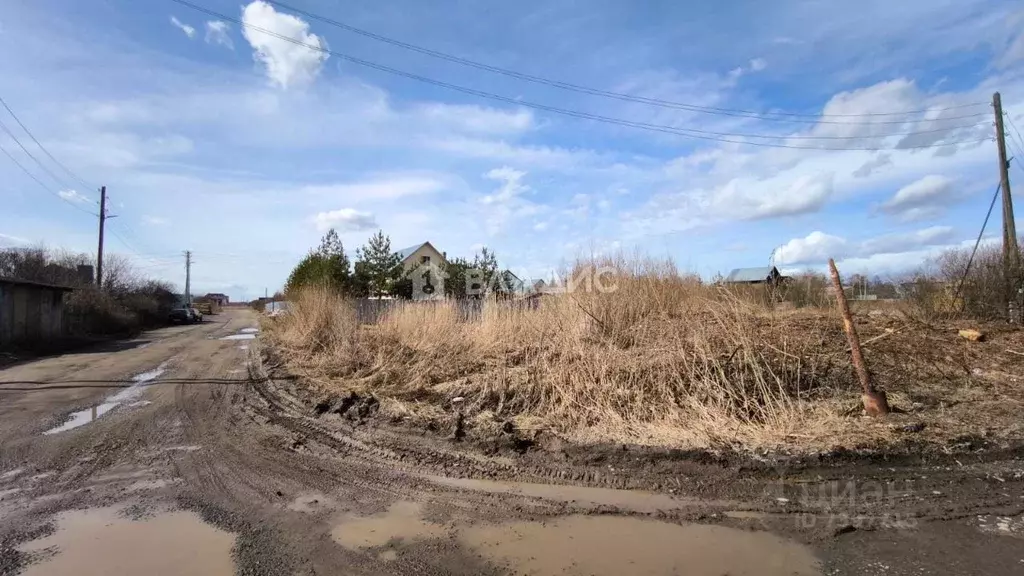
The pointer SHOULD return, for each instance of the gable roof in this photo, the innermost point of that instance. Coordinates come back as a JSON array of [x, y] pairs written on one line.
[[758, 274], [405, 253]]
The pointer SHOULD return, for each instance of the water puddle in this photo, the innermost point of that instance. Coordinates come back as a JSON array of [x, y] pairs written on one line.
[[401, 522], [592, 545], [239, 337], [83, 417], [249, 330], [98, 542], [614, 545], [311, 503], [635, 500]]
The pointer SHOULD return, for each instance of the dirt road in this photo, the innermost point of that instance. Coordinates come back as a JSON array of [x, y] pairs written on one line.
[[176, 454]]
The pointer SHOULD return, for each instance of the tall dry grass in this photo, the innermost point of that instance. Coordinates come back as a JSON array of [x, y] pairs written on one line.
[[662, 359]]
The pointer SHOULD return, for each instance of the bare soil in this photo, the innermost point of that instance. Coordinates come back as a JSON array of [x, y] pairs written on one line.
[[286, 486]]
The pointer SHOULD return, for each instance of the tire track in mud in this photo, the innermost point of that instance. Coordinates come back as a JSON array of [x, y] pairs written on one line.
[[946, 489]]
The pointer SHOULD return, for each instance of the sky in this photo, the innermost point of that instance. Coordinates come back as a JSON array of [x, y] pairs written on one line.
[[874, 121]]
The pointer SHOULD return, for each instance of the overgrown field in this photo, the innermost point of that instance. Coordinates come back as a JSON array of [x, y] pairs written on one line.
[[662, 360]]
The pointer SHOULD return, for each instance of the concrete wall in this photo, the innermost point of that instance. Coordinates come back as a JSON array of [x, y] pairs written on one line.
[[30, 315]]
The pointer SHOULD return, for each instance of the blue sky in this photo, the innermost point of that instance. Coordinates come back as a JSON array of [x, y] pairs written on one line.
[[244, 148]]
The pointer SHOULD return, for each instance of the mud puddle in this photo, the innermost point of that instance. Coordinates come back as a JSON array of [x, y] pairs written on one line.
[[238, 337], [129, 394], [249, 330], [613, 545], [99, 541], [634, 500], [402, 523], [590, 545]]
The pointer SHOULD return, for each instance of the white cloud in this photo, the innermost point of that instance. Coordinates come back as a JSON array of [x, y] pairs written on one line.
[[154, 220], [930, 192], [388, 188], [511, 186], [188, 30], [286, 64], [476, 119], [758, 64], [816, 247], [868, 168], [8, 240], [217, 33], [345, 220], [902, 242], [74, 196], [746, 200]]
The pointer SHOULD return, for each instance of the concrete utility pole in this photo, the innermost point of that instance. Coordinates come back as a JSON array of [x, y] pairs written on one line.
[[1011, 252], [188, 278], [99, 251]]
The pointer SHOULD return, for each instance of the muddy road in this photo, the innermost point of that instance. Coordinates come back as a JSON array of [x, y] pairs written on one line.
[[182, 452]]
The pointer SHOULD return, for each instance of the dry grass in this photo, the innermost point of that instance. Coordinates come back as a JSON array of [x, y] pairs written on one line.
[[663, 360]]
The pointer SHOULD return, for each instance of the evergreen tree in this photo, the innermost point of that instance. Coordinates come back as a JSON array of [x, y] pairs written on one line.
[[326, 266], [380, 267]]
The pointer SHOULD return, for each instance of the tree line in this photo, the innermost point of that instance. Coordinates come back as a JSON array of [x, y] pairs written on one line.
[[378, 271]]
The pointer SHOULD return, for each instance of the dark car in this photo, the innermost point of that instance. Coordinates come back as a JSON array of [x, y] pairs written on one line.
[[183, 315]]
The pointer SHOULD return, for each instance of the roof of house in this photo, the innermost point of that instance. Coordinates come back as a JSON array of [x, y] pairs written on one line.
[[17, 282], [405, 253], [758, 274]]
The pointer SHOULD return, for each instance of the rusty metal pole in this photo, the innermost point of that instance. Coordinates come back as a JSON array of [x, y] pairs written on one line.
[[875, 403]]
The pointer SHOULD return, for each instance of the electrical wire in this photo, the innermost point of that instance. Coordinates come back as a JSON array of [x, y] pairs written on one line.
[[1015, 141], [43, 148], [44, 186], [768, 116], [685, 132], [967, 269], [60, 182]]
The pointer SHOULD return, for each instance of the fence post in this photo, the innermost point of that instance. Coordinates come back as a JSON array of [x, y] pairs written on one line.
[[875, 402]]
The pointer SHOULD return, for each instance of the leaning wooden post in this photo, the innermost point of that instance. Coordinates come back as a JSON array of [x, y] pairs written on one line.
[[875, 403]]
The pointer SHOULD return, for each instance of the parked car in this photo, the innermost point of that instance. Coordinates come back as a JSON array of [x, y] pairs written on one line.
[[183, 315]]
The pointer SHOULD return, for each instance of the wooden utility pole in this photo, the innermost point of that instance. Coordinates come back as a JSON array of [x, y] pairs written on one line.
[[99, 250], [875, 402], [188, 278], [1011, 252]]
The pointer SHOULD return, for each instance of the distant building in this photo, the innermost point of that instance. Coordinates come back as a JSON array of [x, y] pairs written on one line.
[[220, 299], [760, 275], [31, 313], [513, 283], [429, 265]]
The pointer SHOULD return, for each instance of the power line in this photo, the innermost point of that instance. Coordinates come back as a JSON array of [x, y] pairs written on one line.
[[44, 186], [60, 182], [1016, 139], [686, 132], [977, 242], [769, 116], [43, 148]]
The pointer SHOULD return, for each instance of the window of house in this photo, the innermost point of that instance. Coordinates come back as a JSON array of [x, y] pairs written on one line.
[[425, 260]]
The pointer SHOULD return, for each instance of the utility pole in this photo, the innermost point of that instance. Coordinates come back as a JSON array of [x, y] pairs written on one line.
[[99, 251], [1011, 252], [188, 278]]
